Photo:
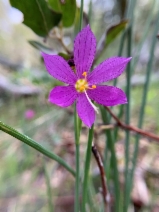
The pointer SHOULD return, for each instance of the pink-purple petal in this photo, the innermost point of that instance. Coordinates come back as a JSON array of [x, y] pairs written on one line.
[[108, 70], [63, 96], [85, 111], [107, 95], [84, 50], [59, 69]]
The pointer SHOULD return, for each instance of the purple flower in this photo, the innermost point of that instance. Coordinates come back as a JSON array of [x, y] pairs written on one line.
[[29, 114], [83, 85]]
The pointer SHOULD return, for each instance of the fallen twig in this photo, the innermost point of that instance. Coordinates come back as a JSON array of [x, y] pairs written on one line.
[[131, 128]]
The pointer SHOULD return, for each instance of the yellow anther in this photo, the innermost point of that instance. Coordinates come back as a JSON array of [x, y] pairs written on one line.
[[94, 86], [84, 74], [82, 88], [81, 85]]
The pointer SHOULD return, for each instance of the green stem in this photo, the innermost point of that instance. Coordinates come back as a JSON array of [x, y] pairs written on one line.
[[111, 147], [130, 14], [77, 123], [49, 193], [146, 30], [115, 171], [9, 130], [107, 148], [143, 104], [127, 121], [90, 12], [81, 16], [86, 169]]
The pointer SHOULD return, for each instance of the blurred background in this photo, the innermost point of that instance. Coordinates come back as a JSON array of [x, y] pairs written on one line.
[[24, 89]]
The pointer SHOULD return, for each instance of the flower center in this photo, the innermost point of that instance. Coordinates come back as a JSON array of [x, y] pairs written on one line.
[[82, 84]]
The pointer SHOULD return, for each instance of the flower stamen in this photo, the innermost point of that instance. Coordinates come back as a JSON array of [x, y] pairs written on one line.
[[81, 85], [94, 107], [84, 74]]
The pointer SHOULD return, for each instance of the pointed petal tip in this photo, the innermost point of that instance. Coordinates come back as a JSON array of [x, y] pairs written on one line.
[[43, 54], [87, 27], [129, 58], [84, 50]]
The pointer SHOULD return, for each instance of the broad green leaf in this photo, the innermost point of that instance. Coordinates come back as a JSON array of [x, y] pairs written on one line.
[[41, 47], [114, 31], [55, 5], [37, 15], [67, 8]]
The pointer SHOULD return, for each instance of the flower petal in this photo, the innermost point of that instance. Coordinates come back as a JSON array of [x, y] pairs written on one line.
[[84, 50], [107, 95], [85, 110], [59, 69], [108, 70], [63, 96]]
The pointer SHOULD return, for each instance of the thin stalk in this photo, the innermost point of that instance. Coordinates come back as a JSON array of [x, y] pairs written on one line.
[[127, 121], [30, 142], [144, 99], [115, 171], [91, 194], [90, 12], [113, 162], [106, 150], [49, 192], [77, 123], [146, 30], [86, 169], [81, 16], [130, 14]]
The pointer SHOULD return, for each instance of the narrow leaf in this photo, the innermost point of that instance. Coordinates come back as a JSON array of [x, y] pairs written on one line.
[[25, 139], [114, 31]]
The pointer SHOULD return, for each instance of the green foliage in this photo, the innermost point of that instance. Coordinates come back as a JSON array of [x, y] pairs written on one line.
[[37, 15], [67, 8], [55, 5]]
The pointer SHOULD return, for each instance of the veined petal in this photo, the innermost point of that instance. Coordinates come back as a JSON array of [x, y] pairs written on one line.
[[59, 69], [63, 96], [108, 70], [85, 110], [107, 95], [84, 50]]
